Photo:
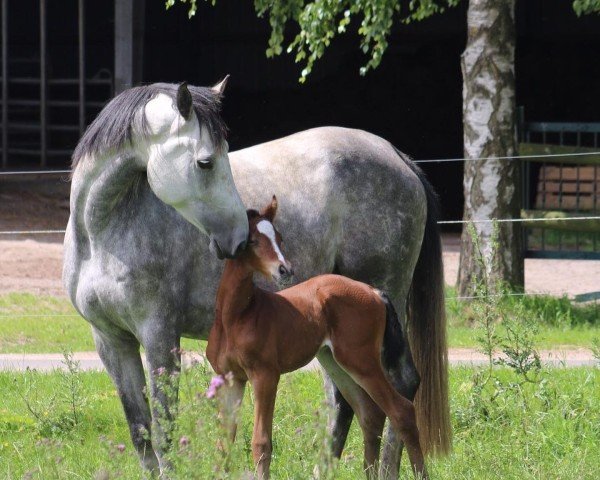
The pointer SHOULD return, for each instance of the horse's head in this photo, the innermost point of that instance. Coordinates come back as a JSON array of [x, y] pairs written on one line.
[[188, 167], [263, 253]]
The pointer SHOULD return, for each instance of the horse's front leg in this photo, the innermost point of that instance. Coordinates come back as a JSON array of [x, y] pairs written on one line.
[[163, 356], [120, 354], [264, 385]]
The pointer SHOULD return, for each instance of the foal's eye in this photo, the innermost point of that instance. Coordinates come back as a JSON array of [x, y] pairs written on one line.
[[251, 242]]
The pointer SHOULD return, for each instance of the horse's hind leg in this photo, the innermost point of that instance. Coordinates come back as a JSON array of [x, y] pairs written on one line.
[[121, 357], [365, 369], [370, 417]]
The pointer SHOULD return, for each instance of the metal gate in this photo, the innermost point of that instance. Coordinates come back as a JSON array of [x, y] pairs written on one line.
[[561, 180], [43, 116]]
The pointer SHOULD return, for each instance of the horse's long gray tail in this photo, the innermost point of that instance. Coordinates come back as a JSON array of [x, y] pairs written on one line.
[[427, 331]]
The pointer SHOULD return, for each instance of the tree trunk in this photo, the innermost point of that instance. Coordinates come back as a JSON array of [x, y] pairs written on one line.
[[491, 187]]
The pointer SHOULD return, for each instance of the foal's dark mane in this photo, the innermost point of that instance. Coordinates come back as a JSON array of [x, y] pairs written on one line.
[[113, 126]]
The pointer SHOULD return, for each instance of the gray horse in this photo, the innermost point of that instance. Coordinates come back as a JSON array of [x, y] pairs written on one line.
[[152, 176]]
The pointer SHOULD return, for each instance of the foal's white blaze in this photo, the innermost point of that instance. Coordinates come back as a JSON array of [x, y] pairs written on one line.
[[266, 228]]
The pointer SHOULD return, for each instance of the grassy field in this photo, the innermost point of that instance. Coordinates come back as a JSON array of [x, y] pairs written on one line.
[[37, 324], [549, 430], [561, 322]]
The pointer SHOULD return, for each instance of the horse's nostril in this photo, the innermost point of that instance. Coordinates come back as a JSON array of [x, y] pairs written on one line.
[[282, 270], [217, 250]]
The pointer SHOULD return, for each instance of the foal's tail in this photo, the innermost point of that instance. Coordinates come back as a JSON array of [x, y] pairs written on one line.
[[394, 343], [427, 332]]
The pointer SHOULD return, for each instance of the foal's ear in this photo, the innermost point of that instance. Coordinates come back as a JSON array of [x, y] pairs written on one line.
[[251, 213], [270, 210], [185, 104], [219, 88]]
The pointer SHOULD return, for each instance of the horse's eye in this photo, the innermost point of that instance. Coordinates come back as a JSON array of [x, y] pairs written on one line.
[[204, 163], [251, 242]]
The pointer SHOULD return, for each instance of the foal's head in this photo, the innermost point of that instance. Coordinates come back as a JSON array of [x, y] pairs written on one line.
[[263, 253]]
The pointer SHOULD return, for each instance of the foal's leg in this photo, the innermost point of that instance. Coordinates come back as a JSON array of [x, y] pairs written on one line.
[[230, 398], [265, 391], [121, 357], [370, 417], [365, 368], [405, 379]]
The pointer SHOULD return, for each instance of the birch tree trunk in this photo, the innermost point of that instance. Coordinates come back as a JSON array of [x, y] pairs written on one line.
[[492, 187]]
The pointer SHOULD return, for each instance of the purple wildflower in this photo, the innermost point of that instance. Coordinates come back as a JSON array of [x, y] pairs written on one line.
[[215, 383], [121, 447], [184, 441]]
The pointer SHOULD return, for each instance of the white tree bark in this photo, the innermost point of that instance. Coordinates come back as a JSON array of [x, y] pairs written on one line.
[[492, 187]]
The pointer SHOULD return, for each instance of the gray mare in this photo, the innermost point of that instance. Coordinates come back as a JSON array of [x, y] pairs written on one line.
[[139, 269]]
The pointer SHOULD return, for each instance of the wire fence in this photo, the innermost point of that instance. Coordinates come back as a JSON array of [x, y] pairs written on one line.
[[36, 172], [556, 156], [432, 160], [508, 157], [441, 222]]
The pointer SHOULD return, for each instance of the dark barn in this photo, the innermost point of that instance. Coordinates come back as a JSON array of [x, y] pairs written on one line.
[[413, 99]]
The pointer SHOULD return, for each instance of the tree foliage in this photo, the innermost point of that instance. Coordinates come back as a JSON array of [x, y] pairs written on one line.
[[585, 7], [320, 21]]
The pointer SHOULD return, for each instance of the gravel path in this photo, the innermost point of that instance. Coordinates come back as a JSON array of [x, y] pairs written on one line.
[[35, 266], [554, 277]]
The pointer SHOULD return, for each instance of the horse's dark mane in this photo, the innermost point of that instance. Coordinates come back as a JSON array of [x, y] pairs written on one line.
[[113, 126]]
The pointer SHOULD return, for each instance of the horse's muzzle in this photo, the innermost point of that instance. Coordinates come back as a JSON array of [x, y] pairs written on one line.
[[285, 276], [221, 254]]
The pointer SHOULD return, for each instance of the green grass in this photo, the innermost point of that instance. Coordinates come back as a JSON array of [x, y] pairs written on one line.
[[548, 338], [561, 322], [554, 435], [38, 324], [44, 324]]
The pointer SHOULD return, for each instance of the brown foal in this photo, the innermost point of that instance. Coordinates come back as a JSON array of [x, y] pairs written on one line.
[[258, 335]]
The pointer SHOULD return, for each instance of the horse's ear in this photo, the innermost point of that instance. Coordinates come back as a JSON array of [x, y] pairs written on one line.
[[185, 104], [219, 88], [270, 210]]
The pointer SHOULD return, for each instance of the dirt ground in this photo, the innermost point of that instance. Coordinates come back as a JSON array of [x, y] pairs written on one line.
[[33, 263]]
